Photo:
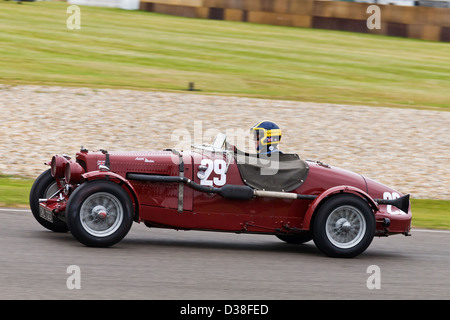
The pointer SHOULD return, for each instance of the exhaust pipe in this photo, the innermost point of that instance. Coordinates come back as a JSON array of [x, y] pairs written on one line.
[[402, 203], [228, 191], [283, 195], [238, 192]]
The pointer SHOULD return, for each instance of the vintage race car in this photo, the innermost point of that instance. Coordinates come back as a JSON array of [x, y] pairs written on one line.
[[216, 187]]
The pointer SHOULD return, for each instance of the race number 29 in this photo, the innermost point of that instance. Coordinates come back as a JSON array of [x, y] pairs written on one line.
[[217, 166]]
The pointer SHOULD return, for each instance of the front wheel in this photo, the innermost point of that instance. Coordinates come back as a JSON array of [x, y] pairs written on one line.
[[99, 213], [344, 226]]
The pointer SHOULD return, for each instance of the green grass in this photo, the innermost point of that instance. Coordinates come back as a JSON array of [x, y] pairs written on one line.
[[141, 50], [14, 191], [146, 51], [430, 214]]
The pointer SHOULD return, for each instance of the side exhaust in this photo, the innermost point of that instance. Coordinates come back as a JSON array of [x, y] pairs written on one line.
[[237, 192], [228, 191], [402, 203]]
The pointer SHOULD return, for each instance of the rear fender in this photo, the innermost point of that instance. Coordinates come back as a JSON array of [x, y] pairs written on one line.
[[124, 183], [331, 192]]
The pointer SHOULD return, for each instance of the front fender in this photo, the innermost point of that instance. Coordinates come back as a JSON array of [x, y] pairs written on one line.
[[332, 191], [114, 177]]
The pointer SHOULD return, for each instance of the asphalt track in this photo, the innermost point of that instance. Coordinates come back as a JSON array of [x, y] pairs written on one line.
[[196, 265]]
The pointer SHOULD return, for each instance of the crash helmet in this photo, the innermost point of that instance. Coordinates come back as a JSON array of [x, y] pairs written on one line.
[[267, 135]]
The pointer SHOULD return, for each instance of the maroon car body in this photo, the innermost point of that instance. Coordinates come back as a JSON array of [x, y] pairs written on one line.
[[99, 194]]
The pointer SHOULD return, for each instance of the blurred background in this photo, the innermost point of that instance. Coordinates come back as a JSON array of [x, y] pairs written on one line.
[[129, 75], [374, 101]]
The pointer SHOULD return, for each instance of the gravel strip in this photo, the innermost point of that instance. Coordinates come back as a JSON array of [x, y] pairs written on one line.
[[407, 149]]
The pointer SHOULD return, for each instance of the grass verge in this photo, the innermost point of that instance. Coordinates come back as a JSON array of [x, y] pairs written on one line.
[[141, 50], [14, 192], [429, 214]]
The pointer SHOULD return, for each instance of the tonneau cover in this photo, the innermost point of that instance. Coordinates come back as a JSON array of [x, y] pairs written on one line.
[[276, 172]]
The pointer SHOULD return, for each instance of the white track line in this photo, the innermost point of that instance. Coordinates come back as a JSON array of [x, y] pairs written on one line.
[[15, 210], [430, 230]]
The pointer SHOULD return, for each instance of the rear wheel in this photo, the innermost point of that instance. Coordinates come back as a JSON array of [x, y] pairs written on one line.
[[344, 226], [44, 187], [99, 213]]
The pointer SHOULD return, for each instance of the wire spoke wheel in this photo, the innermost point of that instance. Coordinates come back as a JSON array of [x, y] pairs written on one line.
[[51, 190], [45, 187], [345, 227], [101, 214]]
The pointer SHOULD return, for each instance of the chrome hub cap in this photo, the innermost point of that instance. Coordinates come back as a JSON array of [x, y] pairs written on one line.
[[101, 214], [100, 211], [345, 227]]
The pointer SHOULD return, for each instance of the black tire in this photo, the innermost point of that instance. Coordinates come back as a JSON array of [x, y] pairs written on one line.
[[295, 238], [99, 213], [344, 226], [43, 187]]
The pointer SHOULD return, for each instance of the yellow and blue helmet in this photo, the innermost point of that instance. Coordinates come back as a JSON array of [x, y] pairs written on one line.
[[268, 135]]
